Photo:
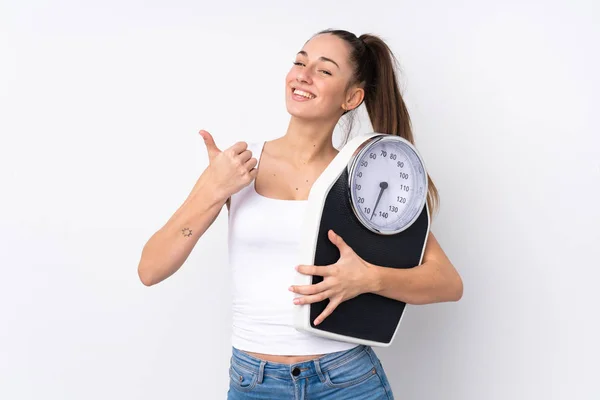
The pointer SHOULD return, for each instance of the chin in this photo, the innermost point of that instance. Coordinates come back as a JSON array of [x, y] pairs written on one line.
[[293, 110], [300, 114], [303, 112]]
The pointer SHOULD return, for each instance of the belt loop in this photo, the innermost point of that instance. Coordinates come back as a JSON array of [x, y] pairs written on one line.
[[319, 372], [261, 371]]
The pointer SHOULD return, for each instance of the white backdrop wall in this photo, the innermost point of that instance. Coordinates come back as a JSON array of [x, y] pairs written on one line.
[[100, 105]]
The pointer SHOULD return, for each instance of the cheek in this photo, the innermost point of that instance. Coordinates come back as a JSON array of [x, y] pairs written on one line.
[[332, 94], [290, 76]]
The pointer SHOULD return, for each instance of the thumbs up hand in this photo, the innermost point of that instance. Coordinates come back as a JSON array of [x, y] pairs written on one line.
[[229, 170], [211, 147]]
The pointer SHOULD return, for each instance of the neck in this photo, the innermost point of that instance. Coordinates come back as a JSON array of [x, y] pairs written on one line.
[[309, 140]]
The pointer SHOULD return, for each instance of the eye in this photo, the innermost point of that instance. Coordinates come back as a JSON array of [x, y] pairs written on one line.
[[299, 63]]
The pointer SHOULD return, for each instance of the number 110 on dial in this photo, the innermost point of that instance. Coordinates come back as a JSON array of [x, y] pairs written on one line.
[[388, 184]]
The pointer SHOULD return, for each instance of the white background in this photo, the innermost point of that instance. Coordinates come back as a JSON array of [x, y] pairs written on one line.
[[100, 105]]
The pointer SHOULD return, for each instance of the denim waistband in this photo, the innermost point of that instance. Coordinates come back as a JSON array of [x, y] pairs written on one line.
[[300, 370]]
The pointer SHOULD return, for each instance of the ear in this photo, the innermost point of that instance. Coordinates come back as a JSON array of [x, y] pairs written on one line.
[[354, 98]]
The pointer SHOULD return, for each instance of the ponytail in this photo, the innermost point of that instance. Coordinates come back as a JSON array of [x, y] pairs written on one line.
[[383, 100]]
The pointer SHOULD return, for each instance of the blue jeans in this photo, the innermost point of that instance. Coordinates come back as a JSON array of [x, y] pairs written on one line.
[[355, 374]]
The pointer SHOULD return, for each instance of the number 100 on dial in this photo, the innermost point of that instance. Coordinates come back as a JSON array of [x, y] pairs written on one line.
[[388, 184]]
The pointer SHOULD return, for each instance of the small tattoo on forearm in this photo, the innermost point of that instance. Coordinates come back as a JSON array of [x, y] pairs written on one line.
[[186, 232]]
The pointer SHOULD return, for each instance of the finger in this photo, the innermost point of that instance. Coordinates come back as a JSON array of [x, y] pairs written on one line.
[[313, 298], [244, 156], [250, 164], [314, 270], [209, 142], [239, 147], [327, 311], [253, 172], [310, 289]]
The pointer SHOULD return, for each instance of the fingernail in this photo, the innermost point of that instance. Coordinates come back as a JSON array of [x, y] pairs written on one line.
[[296, 301]]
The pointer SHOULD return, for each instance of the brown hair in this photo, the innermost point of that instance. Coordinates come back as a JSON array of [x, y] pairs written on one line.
[[375, 70]]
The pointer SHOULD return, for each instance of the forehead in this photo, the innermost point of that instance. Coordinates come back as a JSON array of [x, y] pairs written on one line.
[[329, 46]]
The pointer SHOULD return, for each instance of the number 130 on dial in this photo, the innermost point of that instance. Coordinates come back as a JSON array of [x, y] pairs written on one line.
[[387, 184]]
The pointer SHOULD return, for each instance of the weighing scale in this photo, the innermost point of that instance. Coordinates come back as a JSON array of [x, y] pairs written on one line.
[[373, 194]]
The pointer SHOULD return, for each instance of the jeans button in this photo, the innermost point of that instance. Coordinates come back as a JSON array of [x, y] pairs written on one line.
[[296, 371]]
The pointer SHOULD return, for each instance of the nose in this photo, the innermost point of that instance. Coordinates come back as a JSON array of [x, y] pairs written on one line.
[[303, 77]]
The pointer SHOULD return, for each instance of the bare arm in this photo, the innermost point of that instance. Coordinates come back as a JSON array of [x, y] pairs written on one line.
[[435, 280], [167, 250], [228, 172]]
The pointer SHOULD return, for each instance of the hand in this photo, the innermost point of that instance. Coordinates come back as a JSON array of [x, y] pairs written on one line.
[[229, 170], [347, 278]]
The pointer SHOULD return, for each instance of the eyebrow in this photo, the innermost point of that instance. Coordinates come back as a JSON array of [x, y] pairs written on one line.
[[320, 58]]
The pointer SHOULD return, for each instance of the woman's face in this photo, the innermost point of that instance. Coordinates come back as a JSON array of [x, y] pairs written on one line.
[[316, 84]]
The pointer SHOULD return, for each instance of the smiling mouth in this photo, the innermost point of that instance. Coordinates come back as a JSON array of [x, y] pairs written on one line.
[[302, 93]]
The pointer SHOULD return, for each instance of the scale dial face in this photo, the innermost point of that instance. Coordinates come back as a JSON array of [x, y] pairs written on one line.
[[387, 184]]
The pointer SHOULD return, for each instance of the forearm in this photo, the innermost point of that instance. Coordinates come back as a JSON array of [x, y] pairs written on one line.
[[430, 282], [167, 250]]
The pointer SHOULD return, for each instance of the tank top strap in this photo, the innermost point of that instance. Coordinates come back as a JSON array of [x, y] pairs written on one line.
[[256, 148]]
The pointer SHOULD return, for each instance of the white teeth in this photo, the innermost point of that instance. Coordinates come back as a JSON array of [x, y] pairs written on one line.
[[303, 93]]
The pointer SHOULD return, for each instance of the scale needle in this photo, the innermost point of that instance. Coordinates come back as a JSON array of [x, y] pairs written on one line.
[[383, 186]]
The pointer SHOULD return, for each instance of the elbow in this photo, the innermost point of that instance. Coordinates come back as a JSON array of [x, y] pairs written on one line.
[[456, 291], [450, 291], [454, 284], [450, 288], [145, 276]]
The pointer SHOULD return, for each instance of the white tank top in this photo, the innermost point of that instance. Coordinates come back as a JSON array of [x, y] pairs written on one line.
[[263, 238]]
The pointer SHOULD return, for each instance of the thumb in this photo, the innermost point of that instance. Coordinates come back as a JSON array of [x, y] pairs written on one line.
[[338, 241], [211, 147]]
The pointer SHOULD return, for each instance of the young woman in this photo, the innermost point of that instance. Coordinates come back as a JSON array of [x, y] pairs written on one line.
[[332, 75]]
